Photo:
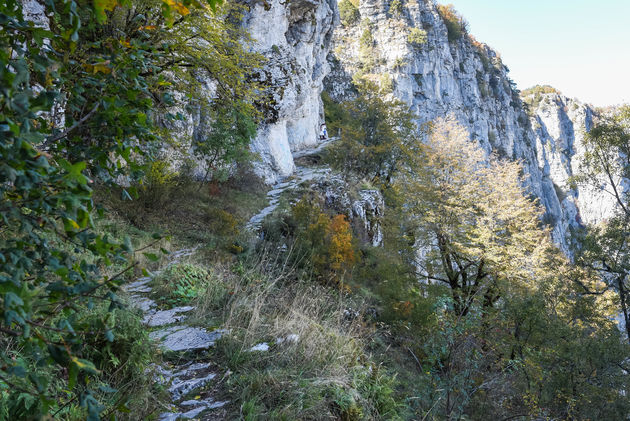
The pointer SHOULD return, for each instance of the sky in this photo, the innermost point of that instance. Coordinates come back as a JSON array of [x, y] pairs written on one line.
[[580, 47]]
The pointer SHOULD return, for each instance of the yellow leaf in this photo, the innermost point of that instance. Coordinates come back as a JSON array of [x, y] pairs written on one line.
[[102, 67], [125, 43], [198, 397], [179, 7], [100, 6]]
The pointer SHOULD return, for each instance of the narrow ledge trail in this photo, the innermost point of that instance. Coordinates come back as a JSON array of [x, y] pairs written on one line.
[[303, 173]]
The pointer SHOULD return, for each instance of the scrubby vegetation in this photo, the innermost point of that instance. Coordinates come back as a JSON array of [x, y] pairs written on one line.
[[348, 12], [532, 97], [417, 37], [456, 25], [396, 8]]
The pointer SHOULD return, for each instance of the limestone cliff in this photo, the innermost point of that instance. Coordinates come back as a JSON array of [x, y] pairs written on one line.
[[406, 47], [295, 37], [559, 124]]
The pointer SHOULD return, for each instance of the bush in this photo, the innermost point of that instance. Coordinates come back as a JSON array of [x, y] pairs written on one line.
[[181, 283], [326, 240], [386, 82], [348, 13], [455, 23], [396, 8], [159, 181], [417, 37]]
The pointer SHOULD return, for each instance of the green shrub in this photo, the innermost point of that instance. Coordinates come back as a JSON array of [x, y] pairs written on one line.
[[348, 13], [455, 23], [366, 39], [417, 37], [182, 283], [386, 82], [396, 8], [158, 184]]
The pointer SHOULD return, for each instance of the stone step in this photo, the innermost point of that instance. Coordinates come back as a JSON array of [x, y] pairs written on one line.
[[166, 317], [143, 303], [202, 405], [140, 285], [186, 338]]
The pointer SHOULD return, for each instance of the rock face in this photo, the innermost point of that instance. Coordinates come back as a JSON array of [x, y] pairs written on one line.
[[467, 79], [295, 37], [310, 50], [559, 124]]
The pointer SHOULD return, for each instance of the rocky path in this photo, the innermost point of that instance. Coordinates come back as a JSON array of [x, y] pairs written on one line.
[[301, 175], [190, 378], [188, 375]]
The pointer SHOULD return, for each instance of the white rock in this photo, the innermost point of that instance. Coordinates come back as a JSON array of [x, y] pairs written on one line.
[[260, 347], [186, 338]]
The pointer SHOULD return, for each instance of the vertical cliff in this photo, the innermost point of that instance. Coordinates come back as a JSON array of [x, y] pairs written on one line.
[[295, 37], [559, 124], [409, 49]]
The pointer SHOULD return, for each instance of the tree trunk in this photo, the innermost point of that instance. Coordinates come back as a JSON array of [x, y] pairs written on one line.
[[624, 304]]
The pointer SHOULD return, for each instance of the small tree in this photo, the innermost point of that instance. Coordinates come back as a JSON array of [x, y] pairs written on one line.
[[606, 165], [474, 222], [374, 132], [455, 23]]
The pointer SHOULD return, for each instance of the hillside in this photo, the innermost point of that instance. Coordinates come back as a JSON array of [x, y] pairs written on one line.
[[180, 241]]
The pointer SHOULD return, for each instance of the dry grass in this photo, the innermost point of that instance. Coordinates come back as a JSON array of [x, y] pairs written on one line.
[[316, 366]]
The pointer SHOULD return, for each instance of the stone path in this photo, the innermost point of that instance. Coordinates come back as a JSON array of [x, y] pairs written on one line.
[[191, 384], [301, 175]]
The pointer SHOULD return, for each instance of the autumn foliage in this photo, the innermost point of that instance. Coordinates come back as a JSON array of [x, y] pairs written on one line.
[[327, 239]]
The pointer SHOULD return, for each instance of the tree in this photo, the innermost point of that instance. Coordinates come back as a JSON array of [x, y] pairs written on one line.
[[77, 100], [604, 249], [476, 227], [515, 322], [374, 131]]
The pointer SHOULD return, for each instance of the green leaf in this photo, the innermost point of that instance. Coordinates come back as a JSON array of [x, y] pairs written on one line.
[[151, 256], [100, 6]]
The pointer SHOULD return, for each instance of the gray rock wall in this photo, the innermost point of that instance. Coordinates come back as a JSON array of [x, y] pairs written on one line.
[[295, 37], [467, 79]]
